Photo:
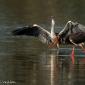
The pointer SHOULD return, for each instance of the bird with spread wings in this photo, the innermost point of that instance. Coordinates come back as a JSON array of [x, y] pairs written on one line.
[[72, 33]]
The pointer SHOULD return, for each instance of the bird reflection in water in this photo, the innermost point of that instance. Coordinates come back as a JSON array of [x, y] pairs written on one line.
[[62, 70], [59, 67], [49, 67]]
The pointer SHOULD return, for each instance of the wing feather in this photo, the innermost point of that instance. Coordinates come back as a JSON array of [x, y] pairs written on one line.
[[36, 31]]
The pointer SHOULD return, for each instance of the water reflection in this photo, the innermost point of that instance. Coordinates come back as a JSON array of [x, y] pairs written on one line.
[[40, 67]]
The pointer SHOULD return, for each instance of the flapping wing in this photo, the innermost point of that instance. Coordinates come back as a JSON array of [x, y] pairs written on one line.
[[35, 31]]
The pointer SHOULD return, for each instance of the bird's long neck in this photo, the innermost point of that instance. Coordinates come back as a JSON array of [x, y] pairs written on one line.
[[52, 29]]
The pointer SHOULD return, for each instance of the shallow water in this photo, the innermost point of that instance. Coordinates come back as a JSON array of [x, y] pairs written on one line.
[[26, 63], [25, 60]]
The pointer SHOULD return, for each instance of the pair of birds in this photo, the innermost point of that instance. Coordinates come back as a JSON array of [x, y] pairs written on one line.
[[72, 33]]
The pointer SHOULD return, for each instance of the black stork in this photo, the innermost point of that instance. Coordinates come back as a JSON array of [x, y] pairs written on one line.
[[73, 33]]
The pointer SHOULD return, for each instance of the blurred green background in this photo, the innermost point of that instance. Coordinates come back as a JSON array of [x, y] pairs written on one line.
[[40, 11]]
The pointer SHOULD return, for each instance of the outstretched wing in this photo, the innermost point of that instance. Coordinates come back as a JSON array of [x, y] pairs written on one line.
[[35, 31]]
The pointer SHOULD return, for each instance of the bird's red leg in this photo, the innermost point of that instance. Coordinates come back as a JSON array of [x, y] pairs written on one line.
[[55, 43], [72, 55], [50, 45]]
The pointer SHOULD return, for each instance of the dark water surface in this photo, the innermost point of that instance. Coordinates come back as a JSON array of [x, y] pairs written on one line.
[[25, 60]]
